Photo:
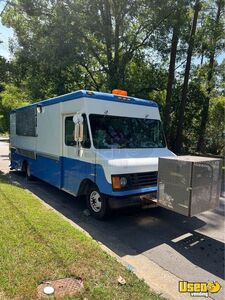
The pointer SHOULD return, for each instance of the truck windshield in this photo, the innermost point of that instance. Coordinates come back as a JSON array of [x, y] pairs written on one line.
[[122, 132]]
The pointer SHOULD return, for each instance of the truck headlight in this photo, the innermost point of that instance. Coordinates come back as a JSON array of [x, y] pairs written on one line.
[[123, 181], [118, 182]]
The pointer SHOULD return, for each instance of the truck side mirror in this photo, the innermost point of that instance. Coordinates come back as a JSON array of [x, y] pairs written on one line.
[[78, 127], [76, 132]]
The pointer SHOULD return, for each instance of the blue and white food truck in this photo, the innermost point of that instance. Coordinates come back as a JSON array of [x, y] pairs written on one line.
[[104, 146]]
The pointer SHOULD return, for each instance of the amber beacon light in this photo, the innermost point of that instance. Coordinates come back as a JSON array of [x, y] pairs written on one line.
[[119, 92]]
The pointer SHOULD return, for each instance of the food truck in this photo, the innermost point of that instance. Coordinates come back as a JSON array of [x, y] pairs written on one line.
[[104, 146]]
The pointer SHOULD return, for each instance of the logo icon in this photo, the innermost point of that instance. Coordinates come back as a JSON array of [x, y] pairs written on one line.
[[199, 289]]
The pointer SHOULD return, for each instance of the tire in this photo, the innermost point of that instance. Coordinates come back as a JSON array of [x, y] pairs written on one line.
[[24, 168], [27, 171], [97, 204]]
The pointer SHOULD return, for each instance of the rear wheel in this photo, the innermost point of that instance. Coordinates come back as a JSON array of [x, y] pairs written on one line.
[[97, 204], [26, 170]]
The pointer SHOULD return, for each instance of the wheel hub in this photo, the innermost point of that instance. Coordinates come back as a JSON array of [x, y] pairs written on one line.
[[95, 201]]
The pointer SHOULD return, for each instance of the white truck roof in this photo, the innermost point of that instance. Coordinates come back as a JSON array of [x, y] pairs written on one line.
[[92, 95]]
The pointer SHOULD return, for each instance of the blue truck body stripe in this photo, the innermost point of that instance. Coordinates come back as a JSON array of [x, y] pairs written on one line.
[[67, 174], [90, 95]]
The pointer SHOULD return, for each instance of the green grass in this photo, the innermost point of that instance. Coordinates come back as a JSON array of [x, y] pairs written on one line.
[[36, 245]]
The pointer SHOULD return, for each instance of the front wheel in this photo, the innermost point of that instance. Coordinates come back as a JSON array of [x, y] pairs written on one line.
[[97, 204]]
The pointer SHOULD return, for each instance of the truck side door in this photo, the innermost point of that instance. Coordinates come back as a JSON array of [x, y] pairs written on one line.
[[78, 162]]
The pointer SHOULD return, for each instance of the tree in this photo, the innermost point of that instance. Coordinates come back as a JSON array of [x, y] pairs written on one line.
[[171, 76], [99, 38], [4, 77], [179, 135], [215, 140], [122, 29], [216, 35], [176, 23], [11, 97], [144, 79]]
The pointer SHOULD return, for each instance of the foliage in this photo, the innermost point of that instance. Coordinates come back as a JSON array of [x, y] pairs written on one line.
[[11, 98], [215, 141], [138, 45]]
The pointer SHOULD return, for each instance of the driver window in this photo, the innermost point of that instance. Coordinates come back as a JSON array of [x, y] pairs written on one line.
[[69, 132]]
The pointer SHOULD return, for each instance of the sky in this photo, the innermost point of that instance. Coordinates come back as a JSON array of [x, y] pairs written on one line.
[[7, 33]]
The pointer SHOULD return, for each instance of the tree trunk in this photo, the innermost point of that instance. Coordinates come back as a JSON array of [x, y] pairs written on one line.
[[205, 109], [170, 82], [180, 125]]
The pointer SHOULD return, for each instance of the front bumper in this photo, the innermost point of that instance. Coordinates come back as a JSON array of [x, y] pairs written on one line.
[[129, 201]]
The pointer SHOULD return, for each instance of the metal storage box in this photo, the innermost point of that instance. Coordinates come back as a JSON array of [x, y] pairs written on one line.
[[189, 185]]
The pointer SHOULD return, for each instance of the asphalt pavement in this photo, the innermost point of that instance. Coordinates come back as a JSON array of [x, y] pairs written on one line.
[[160, 246]]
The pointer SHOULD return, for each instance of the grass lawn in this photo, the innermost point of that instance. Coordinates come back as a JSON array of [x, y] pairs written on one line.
[[37, 245]]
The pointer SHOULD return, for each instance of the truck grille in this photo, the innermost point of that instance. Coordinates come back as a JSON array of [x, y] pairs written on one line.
[[142, 179]]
